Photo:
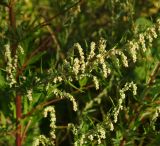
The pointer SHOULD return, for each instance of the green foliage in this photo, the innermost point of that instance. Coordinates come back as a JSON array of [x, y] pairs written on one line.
[[86, 72]]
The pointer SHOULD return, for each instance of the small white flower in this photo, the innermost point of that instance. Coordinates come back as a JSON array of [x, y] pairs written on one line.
[[51, 110], [158, 25], [102, 133], [111, 126], [153, 32], [100, 58], [92, 53], [29, 94], [142, 42], [57, 79], [76, 66], [96, 82], [124, 60], [134, 89], [21, 49], [104, 67], [36, 142], [102, 45], [90, 137], [99, 140], [71, 98], [133, 46]]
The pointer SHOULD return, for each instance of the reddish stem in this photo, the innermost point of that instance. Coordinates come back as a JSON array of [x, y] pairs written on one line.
[[18, 118], [12, 21], [14, 44]]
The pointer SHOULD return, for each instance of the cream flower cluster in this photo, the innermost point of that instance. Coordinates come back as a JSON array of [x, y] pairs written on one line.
[[92, 52], [20, 50], [51, 110], [119, 107], [154, 117], [108, 122], [156, 113], [29, 94], [76, 66], [67, 95], [96, 82], [11, 66], [118, 52], [82, 65], [57, 79], [158, 25], [98, 135], [101, 135], [144, 39], [98, 56], [97, 59], [79, 64], [41, 140], [101, 57]]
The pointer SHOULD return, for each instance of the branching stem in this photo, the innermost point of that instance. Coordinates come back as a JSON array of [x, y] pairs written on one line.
[[13, 46]]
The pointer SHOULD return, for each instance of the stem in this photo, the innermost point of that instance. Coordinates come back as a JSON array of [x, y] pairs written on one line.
[[25, 130], [122, 142], [18, 118], [12, 22], [40, 106], [154, 74], [45, 103], [57, 15], [14, 44], [46, 43]]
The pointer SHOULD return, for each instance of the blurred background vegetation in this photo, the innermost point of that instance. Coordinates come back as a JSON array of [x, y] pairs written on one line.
[[54, 26]]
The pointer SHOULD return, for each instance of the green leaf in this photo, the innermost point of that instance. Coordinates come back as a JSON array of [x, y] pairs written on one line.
[[51, 89], [74, 86], [2, 80], [21, 56], [25, 106], [3, 119], [140, 73], [156, 141], [83, 81], [143, 23], [13, 108], [36, 57]]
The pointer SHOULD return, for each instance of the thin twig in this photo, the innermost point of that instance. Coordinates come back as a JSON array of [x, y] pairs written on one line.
[[25, 130], [18, 118], [40, 106], [154, 74], [123, 142], [54, 37], [45, 23], [57, 15], [45, 103], [43, 46]]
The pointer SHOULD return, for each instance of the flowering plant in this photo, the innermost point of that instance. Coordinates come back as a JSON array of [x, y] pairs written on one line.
[[57, 89]]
